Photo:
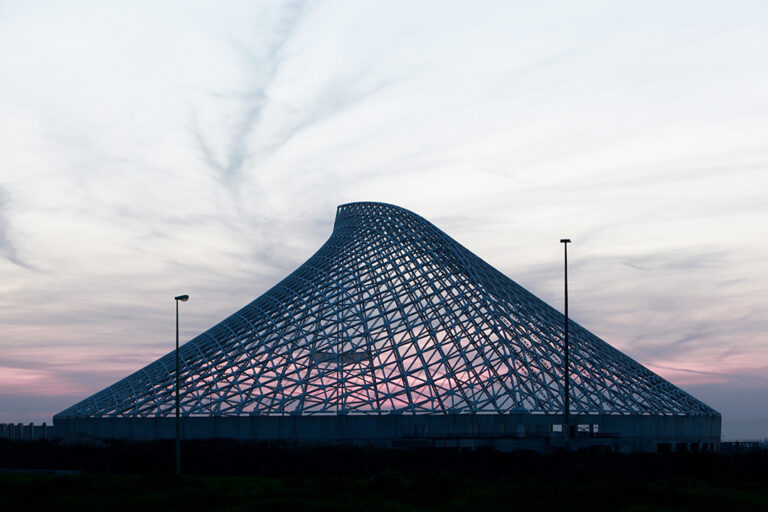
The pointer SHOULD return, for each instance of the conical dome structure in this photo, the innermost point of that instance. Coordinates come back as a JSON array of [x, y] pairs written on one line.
[[391, 315]]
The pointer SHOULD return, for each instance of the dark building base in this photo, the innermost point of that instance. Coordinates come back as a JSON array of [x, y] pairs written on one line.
[[508, 432]]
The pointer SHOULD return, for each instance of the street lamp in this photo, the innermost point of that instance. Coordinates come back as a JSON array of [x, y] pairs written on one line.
[[565, 242], [182, 298]]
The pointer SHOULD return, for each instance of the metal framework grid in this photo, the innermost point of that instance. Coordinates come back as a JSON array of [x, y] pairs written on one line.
[[391, 316]]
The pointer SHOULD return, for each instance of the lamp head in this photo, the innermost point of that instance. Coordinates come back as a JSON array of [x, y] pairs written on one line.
[[565, 240], [182, 298]]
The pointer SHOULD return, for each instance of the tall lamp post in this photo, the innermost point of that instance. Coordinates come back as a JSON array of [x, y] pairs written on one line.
[[565, 242], [182, 298]]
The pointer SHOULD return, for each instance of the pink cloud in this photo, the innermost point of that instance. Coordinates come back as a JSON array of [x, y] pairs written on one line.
[[24, 380], [692, 372]]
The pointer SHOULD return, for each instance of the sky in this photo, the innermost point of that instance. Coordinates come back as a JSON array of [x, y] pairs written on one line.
[[149, 149]]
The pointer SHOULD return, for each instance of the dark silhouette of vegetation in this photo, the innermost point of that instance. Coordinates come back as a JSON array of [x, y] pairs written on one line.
[[227, 475]]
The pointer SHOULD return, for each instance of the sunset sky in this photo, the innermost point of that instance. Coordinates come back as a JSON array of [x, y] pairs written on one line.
[[149, 149]]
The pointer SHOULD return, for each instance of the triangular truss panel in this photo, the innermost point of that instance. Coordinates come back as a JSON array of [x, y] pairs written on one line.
[[391, 316]]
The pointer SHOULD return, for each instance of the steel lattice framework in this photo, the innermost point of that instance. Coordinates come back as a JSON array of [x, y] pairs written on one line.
[[391, 315]]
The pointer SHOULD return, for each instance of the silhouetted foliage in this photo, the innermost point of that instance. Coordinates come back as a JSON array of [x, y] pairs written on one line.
[[229, 475]]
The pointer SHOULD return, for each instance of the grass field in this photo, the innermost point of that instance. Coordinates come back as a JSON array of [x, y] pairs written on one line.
[[241, 476]]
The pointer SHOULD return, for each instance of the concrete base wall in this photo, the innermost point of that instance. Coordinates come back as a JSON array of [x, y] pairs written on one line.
[[517, 431], [29, 432]]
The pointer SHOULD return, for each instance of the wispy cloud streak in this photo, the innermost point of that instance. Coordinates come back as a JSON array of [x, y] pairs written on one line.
[[263, 59], [7, 248]]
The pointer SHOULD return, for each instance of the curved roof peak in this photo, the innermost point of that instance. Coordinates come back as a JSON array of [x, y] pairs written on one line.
[[376, 210], [386, 218]]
